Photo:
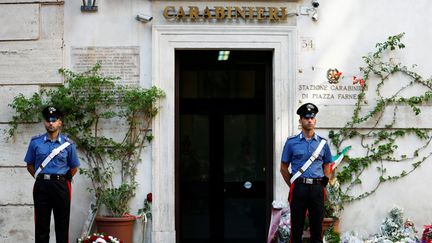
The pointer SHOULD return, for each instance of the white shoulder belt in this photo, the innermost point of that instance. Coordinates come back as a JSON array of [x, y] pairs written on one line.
[[309, 161], [50, 157]]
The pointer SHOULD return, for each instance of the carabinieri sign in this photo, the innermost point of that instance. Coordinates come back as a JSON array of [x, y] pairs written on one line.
[[228, 12]]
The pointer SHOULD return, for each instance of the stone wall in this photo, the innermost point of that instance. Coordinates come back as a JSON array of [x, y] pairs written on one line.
[[346, 31], [39, 37], [31, 52]]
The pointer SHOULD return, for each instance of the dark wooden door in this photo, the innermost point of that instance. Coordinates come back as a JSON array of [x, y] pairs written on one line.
[[223, 146]]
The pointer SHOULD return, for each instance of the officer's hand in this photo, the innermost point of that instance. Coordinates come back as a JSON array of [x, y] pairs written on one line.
[[69, 175], [324, 181], [332, 181]]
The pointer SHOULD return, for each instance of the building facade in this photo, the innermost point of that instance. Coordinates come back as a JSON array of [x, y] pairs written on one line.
[[234, 73]]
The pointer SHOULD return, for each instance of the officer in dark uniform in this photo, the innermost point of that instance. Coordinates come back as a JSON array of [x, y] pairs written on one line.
[[52, 188], [307, 185]]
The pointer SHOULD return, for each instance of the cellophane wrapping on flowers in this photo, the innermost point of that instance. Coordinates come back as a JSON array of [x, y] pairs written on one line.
[[351, 237], [393, 230], [284, 229], [280, 225]]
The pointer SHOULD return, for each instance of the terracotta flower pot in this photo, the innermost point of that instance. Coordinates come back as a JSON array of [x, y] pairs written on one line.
[[121, 227], [328, 222]]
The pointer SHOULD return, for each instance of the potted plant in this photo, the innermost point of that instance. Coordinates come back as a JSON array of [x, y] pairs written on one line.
[[330, 224], [91, 102], [333, 204], [332, 208]]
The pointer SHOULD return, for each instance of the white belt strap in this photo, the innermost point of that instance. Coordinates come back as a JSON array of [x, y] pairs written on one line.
[[309, 161], [50, 157]]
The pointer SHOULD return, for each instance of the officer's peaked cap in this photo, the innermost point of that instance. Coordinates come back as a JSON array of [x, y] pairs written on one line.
[[51, 111], [307, 110]]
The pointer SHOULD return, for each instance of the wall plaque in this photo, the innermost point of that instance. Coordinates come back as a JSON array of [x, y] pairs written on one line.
[[334, 94], [118, 61]]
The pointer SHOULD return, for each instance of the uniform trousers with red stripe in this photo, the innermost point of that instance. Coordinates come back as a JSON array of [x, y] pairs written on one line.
[[52, 196], [307, 199]]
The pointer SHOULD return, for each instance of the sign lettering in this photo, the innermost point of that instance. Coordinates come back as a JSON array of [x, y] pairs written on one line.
[[227, 12], [329, 93]]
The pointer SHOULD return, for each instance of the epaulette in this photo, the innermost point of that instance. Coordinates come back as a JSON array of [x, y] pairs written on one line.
[[68, 139], [321, 137], [37, 136], [291, 137]]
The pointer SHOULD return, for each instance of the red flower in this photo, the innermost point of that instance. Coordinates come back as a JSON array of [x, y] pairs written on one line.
[[95, 236], [150, 197], [427, 234], [358, 80]]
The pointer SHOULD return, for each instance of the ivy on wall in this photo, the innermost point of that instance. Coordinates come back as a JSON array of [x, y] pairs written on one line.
[[379, 141], [89, 101]]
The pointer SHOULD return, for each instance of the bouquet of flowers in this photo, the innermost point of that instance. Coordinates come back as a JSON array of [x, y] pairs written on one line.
[[284, 229], [427, 234], [99, 238], [145, 212], [393, 229], [279, 230], [351, 237]]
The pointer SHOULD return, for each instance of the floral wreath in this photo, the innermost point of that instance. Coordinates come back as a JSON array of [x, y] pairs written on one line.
[[99, 238]]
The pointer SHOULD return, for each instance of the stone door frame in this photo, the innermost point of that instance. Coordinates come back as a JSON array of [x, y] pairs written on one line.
[[166, 39]]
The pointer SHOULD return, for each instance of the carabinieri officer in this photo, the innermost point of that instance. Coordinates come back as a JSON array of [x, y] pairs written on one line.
[[52, 159], [310, 158]]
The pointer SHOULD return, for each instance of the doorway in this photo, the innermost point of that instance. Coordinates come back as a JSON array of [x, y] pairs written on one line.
[[224, 145]]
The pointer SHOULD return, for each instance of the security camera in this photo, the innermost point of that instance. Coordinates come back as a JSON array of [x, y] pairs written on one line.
[[315, 16], [143, 18], [315, 3]]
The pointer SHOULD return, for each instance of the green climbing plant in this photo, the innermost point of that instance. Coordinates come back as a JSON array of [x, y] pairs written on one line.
[[92, 103], [379, 141]]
